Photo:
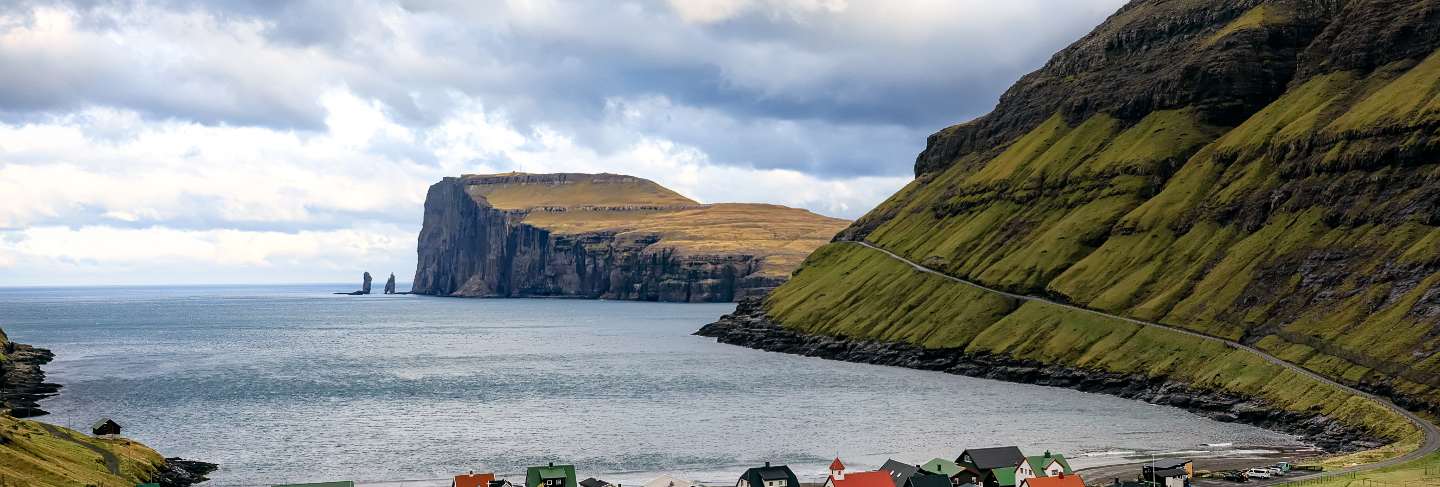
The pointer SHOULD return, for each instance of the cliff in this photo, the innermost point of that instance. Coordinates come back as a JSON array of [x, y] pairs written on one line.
[[604, 236], [1258, 170], [22, 382], [35, 453]]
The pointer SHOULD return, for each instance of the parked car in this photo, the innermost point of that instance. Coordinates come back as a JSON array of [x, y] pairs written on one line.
[[1258, 473], [1284, 467], [1275, 471], [1234, 476]]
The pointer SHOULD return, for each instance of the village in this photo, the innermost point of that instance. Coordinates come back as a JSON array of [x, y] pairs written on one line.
[[1003, 466]]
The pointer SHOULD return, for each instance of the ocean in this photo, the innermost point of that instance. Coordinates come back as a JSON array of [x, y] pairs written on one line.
[[291, 383]]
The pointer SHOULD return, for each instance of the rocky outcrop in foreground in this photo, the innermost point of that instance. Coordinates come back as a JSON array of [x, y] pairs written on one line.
[[22, 383], [179, 472], [749, 327], [604, 236]]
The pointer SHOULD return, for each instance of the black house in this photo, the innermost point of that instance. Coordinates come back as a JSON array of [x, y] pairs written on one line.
[[927, 479], [768, 476], [995, 465], [900, 472], [105, 426]]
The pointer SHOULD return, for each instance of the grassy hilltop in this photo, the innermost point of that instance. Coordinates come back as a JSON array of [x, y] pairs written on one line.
[[636, 208], [34, 453], [1263, 171]]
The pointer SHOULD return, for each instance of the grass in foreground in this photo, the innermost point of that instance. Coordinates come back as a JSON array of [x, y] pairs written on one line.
[[34, 453]]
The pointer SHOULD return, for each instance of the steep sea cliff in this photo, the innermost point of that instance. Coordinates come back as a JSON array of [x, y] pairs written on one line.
[[602, 236]]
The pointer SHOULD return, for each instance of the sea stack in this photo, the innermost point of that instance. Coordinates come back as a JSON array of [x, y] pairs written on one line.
[[365, 286], [390, 284], [604, 236]]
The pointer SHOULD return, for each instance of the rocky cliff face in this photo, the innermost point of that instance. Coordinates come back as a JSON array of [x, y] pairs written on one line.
[[1259, 170], [601, 236], [22, 383]]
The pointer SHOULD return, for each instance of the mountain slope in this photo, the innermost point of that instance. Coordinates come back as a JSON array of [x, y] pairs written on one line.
[[1256, 170], [604, 236]]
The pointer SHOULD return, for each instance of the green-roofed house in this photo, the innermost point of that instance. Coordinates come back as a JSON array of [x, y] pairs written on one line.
[[345, 483], [958, 475], [1000, 477], [551, 475], [1047, 465]]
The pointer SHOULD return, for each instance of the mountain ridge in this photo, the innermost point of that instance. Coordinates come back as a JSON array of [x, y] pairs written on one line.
[[1255, 170]]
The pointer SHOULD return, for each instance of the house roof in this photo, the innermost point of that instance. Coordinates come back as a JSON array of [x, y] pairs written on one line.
[[990, 458], [473, 480], [941, 466], [1004, 475], [928, 480], [899, 471], [1039, 462], [1056, 481], [536, 475], [757, 475], [1170, 472], [877, 478], [101, 422], [593, 482], [668, 480]]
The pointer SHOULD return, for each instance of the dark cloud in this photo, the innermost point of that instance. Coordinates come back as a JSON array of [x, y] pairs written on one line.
[[833, 94]]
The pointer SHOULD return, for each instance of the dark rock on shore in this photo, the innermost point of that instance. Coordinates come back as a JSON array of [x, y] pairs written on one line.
[[22, 383], [749, 327], [390, 284], [179, 472]]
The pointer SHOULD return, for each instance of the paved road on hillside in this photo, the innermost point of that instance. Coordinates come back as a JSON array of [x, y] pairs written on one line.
[[1431, 444]]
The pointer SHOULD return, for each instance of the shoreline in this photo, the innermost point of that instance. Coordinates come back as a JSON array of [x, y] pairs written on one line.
[[748, 326], [22, 381]]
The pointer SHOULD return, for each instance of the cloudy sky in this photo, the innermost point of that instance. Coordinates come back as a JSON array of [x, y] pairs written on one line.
[[259, 141]]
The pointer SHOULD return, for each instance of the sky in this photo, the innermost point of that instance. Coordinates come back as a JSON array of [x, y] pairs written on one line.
[[279, 141]]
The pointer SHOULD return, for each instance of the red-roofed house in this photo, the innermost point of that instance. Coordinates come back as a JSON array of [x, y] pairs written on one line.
[[1061, 480], [473, 480], [838, 477]]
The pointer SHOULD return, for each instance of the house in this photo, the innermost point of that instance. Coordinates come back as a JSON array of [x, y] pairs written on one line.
[[105, 426], [672, 481], [958, 475], [473, 479], [1169, 472], [551, 475], [343, 483], [1047, 465], [840, 478], [924, 478], [594, 482], [768, 476], [1061, 479], [900, 472], [995, 466]]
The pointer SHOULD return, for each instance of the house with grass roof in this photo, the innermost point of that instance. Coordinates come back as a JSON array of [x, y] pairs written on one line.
[[551, 475], [1047, 465], [996, 466], [958, 475]]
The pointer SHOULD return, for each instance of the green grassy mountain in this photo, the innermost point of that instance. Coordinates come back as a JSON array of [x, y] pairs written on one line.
[[1259, 170]]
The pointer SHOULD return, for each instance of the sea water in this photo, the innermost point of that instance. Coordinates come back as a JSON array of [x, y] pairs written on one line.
[[292, 383]]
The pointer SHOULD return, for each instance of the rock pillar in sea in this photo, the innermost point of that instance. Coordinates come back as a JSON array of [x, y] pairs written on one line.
[[365, 287], [390, 284]]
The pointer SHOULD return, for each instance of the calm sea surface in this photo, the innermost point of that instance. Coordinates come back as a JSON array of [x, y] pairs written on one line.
[[295, 384]]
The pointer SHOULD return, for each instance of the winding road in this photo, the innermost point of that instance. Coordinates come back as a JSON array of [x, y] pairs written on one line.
[[1431, 443]]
